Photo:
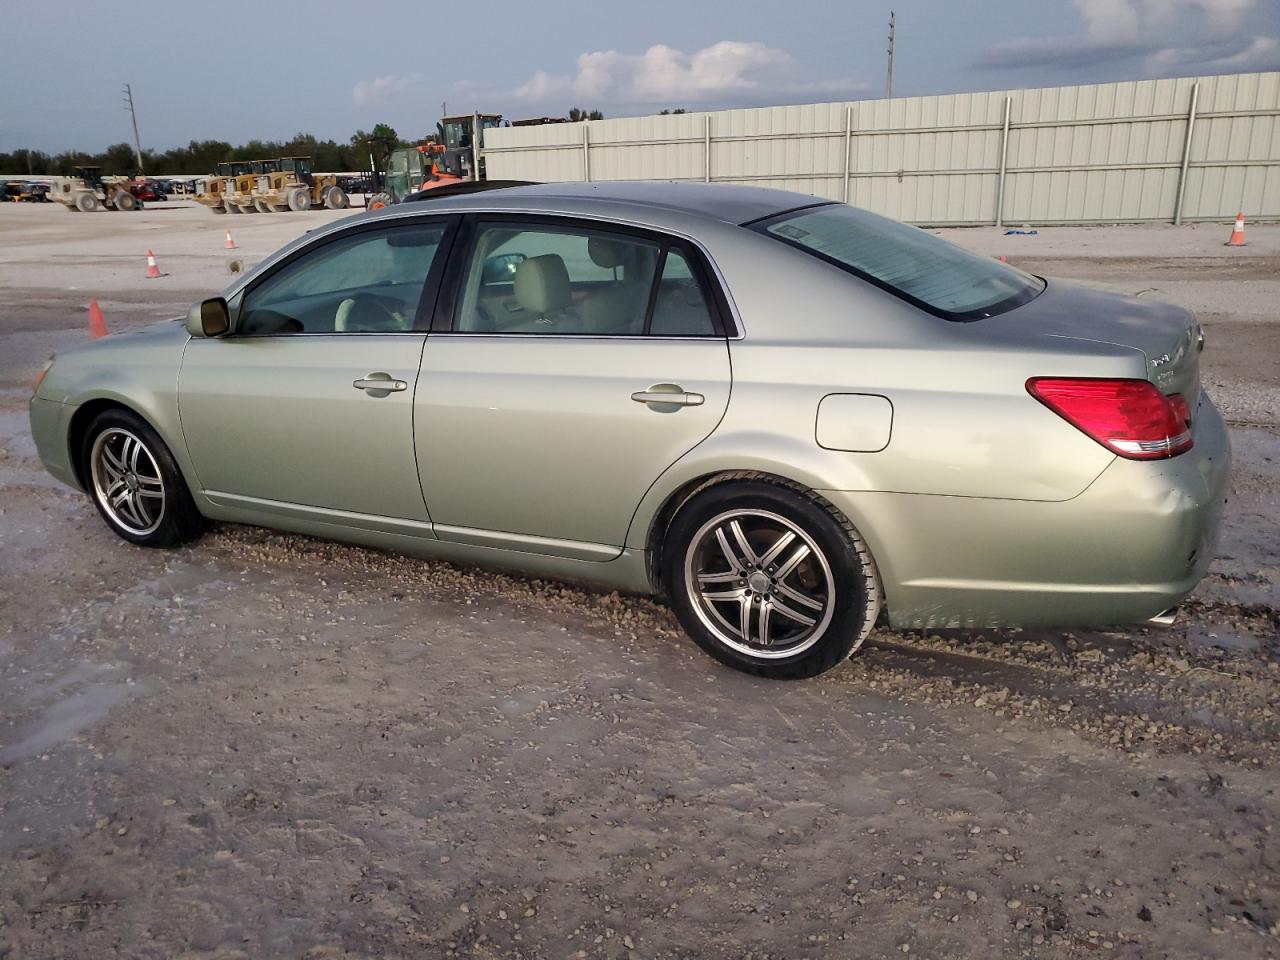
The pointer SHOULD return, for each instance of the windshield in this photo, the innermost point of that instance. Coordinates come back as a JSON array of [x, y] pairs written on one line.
[[917, 266]]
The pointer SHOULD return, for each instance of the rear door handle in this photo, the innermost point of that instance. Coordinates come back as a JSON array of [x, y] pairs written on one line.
[[675, 397], [379, 384]]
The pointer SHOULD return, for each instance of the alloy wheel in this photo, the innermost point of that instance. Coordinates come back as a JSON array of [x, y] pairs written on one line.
[[127, 481], [759, 583]]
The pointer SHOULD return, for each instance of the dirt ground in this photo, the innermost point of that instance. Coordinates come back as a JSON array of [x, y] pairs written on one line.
[[265, 746]]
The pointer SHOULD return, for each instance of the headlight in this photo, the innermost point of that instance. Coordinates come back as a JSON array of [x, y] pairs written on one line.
[[35, 387]]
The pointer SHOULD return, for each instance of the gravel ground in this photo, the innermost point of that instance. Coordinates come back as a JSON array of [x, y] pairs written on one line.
[[263, 745]]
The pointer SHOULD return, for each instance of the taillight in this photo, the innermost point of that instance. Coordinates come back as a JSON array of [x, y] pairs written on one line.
[[1129, 417]]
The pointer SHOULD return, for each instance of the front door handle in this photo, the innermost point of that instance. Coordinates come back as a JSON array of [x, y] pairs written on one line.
[[668, 394], [379, 384]]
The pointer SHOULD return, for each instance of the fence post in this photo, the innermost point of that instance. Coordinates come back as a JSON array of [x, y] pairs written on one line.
[[1004, 158], [586, 152], [706, 145], [848, 149], [1186, 154]]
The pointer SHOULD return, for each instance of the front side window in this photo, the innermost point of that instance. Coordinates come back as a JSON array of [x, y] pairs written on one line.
[[365, 282], [919, 267], [569, 281]]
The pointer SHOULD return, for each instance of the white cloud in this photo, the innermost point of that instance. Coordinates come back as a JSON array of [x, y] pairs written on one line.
[[724, 71], [380, 89], [1122, 29], [1258, 54]]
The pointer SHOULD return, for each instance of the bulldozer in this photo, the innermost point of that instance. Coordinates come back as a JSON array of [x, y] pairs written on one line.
[[292, 186], [89, 190], [209, 192], [240, 180]]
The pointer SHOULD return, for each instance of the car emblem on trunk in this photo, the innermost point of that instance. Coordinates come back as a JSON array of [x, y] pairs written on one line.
[[1161, 360]]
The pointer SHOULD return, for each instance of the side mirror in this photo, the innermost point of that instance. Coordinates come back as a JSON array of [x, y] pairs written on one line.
[[209, 318], [501, 268]]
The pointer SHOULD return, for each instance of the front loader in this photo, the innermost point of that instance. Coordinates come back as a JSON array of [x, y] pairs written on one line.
[[89, 190]]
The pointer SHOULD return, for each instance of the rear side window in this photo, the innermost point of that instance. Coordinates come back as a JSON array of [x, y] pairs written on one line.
[[917, 266], [567, 279], [680, 306]]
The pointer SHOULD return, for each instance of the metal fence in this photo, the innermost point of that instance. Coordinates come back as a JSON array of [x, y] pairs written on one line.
[[1191, 148]]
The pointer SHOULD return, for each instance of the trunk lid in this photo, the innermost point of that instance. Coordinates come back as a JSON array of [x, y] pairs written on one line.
[[1167, 335]]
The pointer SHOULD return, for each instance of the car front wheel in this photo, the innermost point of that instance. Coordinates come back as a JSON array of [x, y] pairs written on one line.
[[135, 483], [769, 579]]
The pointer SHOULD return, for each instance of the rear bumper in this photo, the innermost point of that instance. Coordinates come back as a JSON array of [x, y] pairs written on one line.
[[1132, 545]]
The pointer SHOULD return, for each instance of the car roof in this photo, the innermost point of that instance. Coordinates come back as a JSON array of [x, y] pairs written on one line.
[[727, 203]]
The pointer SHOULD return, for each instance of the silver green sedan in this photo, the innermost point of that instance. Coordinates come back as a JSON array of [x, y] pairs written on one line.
[[794, 418]]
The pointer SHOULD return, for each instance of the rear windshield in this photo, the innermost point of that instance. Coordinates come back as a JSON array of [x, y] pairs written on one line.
[[908, 262]]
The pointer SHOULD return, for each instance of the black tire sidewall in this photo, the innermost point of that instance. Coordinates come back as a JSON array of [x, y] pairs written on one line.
[[180, 520], [846, 626]]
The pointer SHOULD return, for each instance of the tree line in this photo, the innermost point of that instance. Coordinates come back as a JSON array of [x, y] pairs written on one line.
[[201, 157]]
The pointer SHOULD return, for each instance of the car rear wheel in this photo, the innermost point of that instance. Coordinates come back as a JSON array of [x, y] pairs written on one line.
[[135, 483], [769, 579]]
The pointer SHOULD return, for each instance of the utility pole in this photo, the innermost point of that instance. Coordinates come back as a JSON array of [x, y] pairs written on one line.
[[137, 144], [888, 80]]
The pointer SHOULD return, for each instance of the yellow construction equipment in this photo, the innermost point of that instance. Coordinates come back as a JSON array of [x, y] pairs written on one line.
[[292, 186]]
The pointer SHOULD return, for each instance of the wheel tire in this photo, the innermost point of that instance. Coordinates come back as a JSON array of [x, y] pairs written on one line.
[[380, 200], [335, 198], [86, 203], [109, 444], [846, 587], [299, 200], [124, 201]]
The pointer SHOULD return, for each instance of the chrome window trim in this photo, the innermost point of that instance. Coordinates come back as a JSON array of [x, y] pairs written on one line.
[[739, 329], [479, 335]]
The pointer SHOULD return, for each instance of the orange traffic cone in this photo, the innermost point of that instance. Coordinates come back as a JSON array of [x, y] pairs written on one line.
[[153, 271], [1237, 232], [231, 244], [97, 325]]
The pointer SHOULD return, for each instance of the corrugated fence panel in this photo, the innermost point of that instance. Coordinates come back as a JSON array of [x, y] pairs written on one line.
[[1099, 153]]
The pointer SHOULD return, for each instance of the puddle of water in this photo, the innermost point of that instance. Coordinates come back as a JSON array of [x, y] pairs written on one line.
[[66, 718]]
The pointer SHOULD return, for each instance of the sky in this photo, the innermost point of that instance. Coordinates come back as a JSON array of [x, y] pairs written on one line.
[[237, 71]]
